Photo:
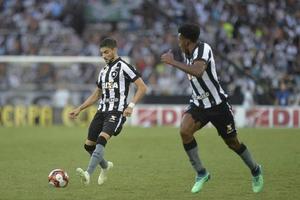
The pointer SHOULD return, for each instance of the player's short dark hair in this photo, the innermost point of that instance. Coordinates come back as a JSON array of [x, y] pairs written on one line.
[[190, 31], [108, 42]]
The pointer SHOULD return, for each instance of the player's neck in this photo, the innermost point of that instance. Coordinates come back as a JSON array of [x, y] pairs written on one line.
[[115, 58], [191, 47], [112, 61]]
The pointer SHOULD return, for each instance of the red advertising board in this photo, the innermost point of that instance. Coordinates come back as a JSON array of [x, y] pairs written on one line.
[[260, 116]]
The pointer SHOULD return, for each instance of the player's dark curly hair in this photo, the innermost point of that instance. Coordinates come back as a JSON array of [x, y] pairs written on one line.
[[108, 42], [190, 31]]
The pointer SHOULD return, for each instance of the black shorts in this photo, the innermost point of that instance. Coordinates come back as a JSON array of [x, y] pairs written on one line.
[[221, 116], [108, 122]]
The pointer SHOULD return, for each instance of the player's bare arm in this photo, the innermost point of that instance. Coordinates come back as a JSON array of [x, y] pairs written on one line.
[[197, 69], [93, 98], [140, 93]]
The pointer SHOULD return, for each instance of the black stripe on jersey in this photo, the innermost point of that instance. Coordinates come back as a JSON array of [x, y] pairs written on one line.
[[209, 55], [197, 93], [213, 80]]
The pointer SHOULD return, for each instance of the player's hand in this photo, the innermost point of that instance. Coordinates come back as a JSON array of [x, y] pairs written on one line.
[[168, 57], [73, 114], [127, 112]]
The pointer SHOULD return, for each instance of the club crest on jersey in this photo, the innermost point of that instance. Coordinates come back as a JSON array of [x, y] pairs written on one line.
[[114, 74], [110, 85]]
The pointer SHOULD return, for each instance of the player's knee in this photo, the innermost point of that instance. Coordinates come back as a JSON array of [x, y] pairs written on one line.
[[240, 148], [233, 143], [185, 134], [236, 147], [89, 148]]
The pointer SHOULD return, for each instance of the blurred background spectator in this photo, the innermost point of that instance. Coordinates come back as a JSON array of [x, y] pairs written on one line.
[[256, 45]]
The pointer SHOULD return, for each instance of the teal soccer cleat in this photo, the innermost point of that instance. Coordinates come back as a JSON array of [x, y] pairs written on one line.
[[200, 180], [258, 182]]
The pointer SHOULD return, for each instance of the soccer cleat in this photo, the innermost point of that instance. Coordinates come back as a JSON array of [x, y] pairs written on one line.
[[258, 181], [103, 174], [200, 180], [84, 175]]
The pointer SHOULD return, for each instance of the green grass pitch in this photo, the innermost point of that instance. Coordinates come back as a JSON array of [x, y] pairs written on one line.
[[150, 164]]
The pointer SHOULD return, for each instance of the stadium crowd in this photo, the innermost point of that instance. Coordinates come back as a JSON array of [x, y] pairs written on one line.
[[256, 43]]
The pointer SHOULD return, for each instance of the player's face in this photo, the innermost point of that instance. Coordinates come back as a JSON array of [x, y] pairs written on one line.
[[108, 54], [183, 43]]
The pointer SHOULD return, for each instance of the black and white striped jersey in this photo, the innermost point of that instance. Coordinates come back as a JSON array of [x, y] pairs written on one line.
[[114, 80], [207, 91]]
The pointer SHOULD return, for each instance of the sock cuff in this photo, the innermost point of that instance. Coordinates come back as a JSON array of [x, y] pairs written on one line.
[[101, 140], [201, 172], [241, 149], [256, 170], [190, 145]]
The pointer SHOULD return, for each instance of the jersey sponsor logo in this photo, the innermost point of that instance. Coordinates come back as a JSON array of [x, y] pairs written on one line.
[[203, 96], [111, 100], [110, 85]]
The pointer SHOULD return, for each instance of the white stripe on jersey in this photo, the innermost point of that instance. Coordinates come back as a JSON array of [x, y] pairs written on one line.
[[111, 91], [102, 100], [122, 91], [194, 98], [206, 51]]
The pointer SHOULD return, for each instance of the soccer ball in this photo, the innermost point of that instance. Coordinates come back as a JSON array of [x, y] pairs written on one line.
[[58, 178]]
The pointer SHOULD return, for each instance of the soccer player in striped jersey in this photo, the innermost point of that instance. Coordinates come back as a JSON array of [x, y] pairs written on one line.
[[208, 103], [112, 91]]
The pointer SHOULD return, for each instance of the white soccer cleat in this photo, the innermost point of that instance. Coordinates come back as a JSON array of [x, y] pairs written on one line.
[[103, 174], [84, 175]]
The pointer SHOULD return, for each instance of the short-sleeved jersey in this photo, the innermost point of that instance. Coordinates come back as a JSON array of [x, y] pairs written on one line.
[[114, 80], [207, 91]]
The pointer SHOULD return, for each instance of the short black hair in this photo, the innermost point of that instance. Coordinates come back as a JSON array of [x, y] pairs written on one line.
[[108, 42], [190, 31]]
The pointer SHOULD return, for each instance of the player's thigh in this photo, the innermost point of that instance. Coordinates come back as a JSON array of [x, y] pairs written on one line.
[[189, 125], [113, 123], [222, 118], [95, 128], [193, 120]]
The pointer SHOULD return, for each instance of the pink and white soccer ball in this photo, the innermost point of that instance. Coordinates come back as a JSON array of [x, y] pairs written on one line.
[[58, 178]]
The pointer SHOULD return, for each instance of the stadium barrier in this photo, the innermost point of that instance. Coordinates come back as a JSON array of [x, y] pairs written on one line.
[[146, 116]]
